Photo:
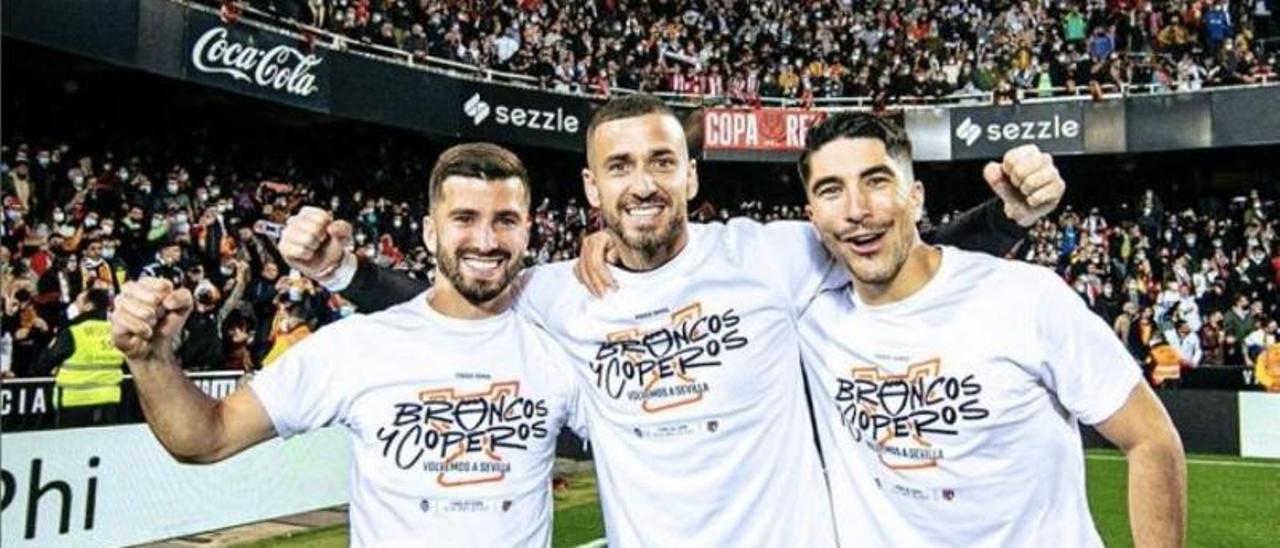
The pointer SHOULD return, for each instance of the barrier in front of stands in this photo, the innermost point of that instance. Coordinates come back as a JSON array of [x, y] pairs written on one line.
[[28, 404], [115, 485]]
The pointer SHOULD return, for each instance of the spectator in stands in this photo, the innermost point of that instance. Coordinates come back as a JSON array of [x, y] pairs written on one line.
[[1265, 333], [87, 367], [29, 333], [1164, 363], [1213, 340], [1188, 343]]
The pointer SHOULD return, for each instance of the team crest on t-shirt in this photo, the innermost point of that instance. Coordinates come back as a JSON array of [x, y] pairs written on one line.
[[902, 416], [657, 366], [462, 436]]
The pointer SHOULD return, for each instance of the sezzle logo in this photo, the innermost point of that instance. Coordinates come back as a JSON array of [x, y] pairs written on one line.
[[1030, 130], [542, 120], [279, 68], [968, 131], [476, 108]]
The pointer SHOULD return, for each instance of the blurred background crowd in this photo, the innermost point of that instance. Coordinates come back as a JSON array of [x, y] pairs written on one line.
[[79, 220], [739, 51]]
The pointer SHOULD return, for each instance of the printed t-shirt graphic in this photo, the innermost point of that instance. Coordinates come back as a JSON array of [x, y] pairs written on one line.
[[693, 389], [453, 423], [950, 417]]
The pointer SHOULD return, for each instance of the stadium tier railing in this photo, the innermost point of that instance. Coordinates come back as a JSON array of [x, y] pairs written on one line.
[[328, 39]]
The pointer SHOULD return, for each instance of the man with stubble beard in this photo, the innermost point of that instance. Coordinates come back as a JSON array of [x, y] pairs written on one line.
[[690, 370], [452, 401]]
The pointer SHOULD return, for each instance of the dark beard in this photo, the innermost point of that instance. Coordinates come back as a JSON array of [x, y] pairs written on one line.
[[649, 244], [480, 293]]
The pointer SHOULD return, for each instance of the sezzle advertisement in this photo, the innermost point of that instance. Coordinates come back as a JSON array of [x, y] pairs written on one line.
[[513, 115], [988, 132], [263, 64]]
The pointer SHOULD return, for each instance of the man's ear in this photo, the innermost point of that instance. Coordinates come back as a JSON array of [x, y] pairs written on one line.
[[590, 188], [917, 201], [691, 186], [429, 234]]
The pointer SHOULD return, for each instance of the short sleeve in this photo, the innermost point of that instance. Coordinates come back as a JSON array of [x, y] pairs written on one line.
[[800, 259], [303, 391], [1085, 363]]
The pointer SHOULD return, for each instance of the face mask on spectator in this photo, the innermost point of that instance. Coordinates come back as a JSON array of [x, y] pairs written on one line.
[[172, 187], [77, 181], [59, 216], [43, 160], [202, 195], [215, 191], [67, 231], [227, 270], [360, 238], [123, 174], [109, 252], [108, 228], [13, 215], [90, 222], [181, 218]]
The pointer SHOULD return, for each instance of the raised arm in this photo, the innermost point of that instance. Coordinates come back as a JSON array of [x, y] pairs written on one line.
[[1027, 187], [192, 426], [319, 247], [1157, 469]]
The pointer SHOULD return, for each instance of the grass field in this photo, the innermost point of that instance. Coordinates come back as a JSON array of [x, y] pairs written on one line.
[[1234, 503]]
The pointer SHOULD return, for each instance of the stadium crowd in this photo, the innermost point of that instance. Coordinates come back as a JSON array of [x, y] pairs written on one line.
[[77, 224], [888, 49]]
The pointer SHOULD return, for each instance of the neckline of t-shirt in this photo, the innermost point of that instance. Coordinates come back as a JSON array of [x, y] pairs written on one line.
[[422, 305], [945, 264], [683, 258]]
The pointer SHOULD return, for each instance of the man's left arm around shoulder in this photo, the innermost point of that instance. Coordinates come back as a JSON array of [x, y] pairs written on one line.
[[1157, 468], [1027, 185]]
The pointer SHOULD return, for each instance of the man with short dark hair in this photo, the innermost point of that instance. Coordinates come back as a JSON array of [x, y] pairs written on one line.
[[453, 402], [948, 384]]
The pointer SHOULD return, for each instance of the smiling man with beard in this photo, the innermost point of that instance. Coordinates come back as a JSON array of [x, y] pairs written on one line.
[[452, 401], [690, 371], [947, 384]]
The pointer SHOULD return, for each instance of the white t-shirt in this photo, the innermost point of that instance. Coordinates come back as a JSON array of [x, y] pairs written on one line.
[[691, 379], [453, 422], [950, 417]]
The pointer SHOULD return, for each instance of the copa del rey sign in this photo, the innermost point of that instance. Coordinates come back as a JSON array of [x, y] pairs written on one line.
[[762, 129], [280, 68]]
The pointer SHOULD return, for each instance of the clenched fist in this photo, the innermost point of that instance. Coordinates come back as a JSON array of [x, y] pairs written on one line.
[[149, 313], [314, 243], [1028, 182]]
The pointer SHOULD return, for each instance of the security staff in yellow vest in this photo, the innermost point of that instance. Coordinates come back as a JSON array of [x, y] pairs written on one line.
[[1164, 363], [88, 366]]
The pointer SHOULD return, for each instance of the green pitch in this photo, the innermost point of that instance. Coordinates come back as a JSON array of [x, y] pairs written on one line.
[[1234, 503]]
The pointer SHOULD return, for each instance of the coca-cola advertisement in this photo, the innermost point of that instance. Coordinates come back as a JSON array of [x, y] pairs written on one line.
[[242, 58]]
